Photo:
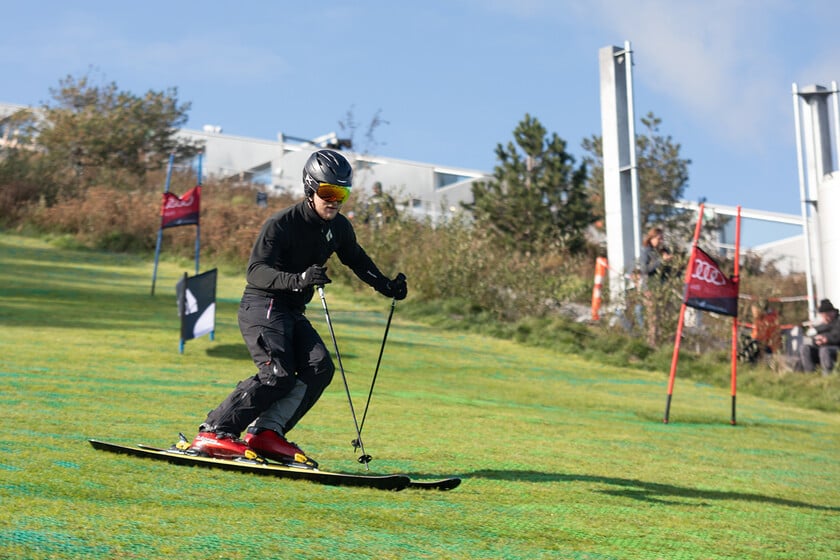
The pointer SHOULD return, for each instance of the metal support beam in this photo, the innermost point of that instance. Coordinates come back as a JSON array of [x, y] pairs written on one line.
[[618, 143], [817, 188]]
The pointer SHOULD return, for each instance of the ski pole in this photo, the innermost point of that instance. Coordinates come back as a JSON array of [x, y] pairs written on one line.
[[356, 443], [365, 458]]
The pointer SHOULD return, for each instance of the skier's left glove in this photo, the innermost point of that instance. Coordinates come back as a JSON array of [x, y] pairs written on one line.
[[396, 288]]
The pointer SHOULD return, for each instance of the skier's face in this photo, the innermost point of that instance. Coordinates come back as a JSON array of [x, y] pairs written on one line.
[[326, 210]]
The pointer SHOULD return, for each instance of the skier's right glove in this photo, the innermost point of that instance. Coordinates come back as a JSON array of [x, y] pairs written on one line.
[[315, 275], [396, 288]]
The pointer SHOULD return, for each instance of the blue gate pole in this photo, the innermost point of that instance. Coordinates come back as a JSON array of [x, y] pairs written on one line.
[[160, 230], [197, 226], [182, 310]]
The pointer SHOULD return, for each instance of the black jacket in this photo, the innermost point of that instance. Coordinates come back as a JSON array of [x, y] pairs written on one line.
[[831, 331], [296, 238], [651, 263]]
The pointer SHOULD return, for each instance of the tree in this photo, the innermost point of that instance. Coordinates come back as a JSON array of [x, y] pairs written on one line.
[[93, 128], [350, 126], [663, 178], [24, 177], [537, 198]]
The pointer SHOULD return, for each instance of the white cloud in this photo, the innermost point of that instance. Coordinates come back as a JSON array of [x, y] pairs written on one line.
[[715, 58], [727, 64], [198, 56], [207, 59], [822, 70]]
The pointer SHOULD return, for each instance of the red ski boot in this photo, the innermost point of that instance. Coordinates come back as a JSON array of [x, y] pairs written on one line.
[[272, 445], [223, 446]]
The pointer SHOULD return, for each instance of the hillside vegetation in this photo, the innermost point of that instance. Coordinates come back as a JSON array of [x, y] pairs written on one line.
[[459, 279]]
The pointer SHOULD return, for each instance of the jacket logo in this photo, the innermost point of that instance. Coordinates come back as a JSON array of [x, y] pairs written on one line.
[[329, 235]]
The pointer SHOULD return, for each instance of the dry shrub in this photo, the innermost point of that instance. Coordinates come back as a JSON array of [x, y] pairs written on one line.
[[455, 261], [114, 219], [101, 218], [22, 183], [15, 196], [230, 222], [448, 261]]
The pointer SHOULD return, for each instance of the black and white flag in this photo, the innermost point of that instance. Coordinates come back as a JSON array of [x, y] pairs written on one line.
[[197, 304]]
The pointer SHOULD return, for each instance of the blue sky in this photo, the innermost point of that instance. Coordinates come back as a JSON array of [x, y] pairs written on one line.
[[453, 78]]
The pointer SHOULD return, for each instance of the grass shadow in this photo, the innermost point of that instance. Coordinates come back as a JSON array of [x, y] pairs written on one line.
[[240, 351], [645, 491], [229, 352]]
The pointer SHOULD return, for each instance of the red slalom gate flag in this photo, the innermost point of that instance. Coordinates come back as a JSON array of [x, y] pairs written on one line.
[[180, 211], [709, 288]]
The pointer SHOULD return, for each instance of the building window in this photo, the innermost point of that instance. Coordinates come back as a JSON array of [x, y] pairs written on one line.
[[445, 179]]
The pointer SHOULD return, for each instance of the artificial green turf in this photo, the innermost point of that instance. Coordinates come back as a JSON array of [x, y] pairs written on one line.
[[561, 457]]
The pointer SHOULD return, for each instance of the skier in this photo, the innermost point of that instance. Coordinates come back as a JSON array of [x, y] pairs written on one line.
[[286, 264]]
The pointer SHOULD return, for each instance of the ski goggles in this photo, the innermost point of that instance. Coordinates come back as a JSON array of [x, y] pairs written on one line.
[[332, 193]]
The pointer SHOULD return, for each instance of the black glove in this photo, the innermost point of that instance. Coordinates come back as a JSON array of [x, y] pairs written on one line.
[[315, 275], [396, 288]]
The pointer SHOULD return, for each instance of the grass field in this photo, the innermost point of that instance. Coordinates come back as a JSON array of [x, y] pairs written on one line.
[[561, 458]]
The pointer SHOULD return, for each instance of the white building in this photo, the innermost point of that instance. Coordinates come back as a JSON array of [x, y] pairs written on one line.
[[421, 188], [8, 134]]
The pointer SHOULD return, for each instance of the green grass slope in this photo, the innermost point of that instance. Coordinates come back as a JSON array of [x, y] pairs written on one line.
[[561, 457]]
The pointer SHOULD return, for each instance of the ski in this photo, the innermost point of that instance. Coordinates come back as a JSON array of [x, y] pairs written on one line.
[[394, 482], [178, 457]]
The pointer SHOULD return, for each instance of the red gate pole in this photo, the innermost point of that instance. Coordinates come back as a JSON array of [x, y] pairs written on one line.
[[678, 337], [734, 380]]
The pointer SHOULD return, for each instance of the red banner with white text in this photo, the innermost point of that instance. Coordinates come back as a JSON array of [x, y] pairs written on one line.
[[709, 288], [180, 211]]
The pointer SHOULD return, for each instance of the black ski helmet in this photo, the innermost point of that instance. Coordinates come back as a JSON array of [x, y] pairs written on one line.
[[326, 166]]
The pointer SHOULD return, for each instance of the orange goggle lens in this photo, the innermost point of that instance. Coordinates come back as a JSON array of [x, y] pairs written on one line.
[[332, 193]]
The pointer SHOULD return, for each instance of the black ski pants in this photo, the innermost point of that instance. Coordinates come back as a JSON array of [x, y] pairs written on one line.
[[294, 369]]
